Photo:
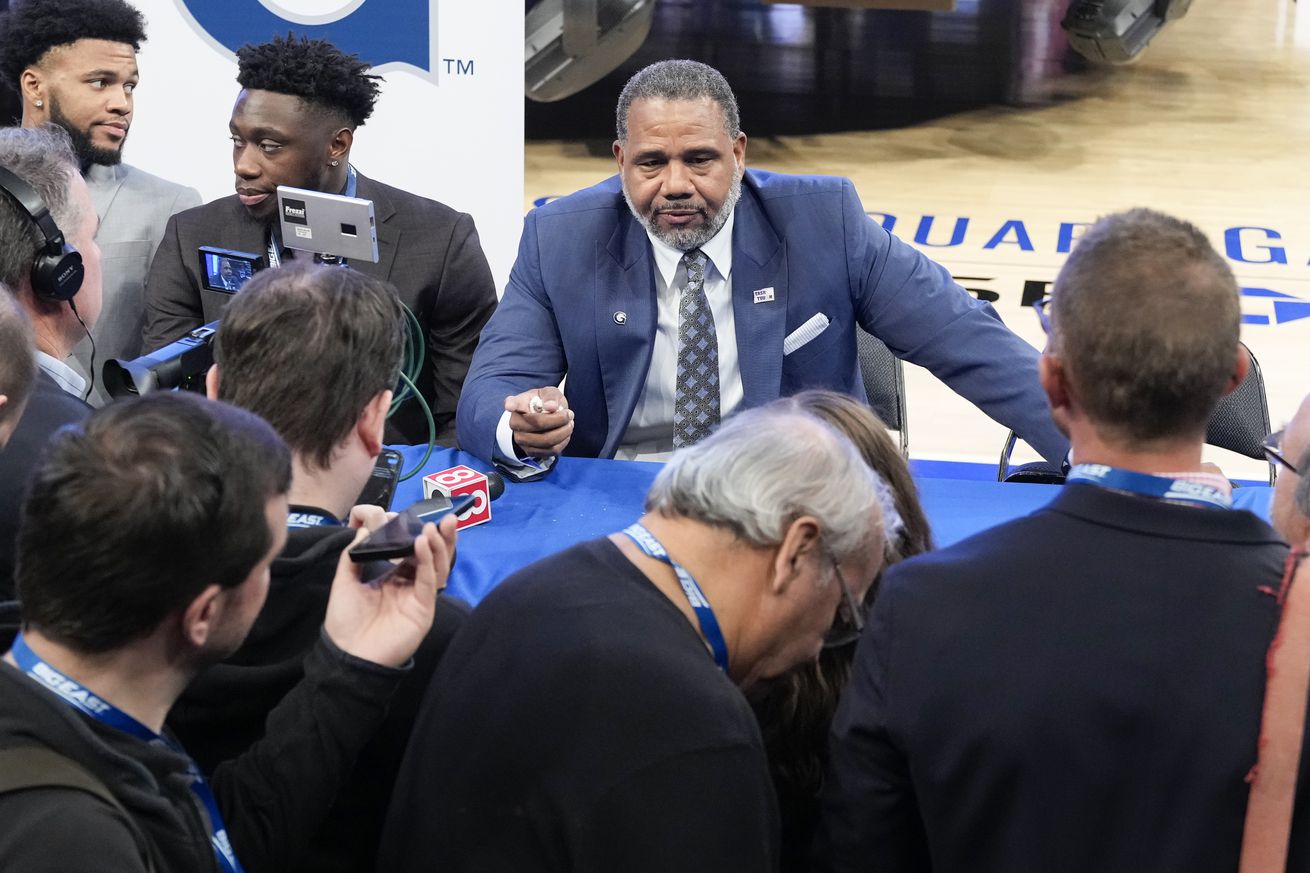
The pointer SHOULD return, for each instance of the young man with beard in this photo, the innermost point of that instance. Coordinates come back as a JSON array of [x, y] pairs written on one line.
[[73, 62], [293, 124], [687, 286]]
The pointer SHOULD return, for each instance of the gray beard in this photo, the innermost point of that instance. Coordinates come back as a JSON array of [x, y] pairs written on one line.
[[686, 239]]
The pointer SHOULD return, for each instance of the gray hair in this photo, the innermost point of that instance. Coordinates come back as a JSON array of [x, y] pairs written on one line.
[[766, 467], [43, 158], [679, 80], [17, 356]]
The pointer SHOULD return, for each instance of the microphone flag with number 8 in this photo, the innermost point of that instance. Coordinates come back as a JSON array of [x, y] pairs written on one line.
[[458, 481]]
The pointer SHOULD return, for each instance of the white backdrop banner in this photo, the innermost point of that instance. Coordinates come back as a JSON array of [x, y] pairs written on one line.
[[449, 123]]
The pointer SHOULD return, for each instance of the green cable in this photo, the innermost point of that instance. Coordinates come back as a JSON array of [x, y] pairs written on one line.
[[410, 368], [432, 429]]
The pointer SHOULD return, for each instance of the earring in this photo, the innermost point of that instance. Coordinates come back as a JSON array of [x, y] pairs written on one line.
[[333, 163], [40, 103]]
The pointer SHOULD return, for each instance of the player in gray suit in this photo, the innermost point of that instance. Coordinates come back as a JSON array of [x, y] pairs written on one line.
[[293, 124], [74, 64]]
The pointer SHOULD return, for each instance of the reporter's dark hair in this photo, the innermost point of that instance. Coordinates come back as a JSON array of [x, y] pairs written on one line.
[[135, 512], [32, 27], [307, 347], [314, 70]]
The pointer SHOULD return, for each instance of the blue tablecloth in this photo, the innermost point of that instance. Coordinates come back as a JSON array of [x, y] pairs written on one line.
[[586, 498]]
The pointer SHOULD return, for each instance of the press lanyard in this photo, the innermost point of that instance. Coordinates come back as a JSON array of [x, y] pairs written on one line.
[[84, 701], [1162, 487], [274, 250], [709, 625]]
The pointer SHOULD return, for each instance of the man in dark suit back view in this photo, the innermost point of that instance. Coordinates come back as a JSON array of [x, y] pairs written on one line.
[[1081, 689]]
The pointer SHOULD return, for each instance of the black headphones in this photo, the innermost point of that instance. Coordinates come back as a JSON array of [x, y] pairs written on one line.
[[57, 271]]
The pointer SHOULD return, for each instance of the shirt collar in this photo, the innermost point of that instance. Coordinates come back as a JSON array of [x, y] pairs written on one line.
[[65, 376], [718, 250]]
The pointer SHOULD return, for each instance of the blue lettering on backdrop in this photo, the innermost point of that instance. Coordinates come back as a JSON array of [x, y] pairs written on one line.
[[379, 31], [1021, 238], [1233, 246], [925, 228]]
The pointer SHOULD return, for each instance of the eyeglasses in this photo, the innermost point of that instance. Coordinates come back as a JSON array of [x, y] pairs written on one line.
[[1042, 316], [850, 615], [1273, 449]]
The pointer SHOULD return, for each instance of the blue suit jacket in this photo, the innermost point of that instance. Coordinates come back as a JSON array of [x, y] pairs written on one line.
[[584, 258]]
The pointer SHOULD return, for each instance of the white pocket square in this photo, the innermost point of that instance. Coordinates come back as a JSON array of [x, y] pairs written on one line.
[[817, 324]]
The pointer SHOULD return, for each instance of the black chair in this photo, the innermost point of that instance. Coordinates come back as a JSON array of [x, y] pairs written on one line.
[[1239, 424], [884, 382]]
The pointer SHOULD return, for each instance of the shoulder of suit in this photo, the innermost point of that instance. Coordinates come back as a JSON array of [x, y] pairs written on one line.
[[770, 186], [136, 179], [406, 203], [606, 195]]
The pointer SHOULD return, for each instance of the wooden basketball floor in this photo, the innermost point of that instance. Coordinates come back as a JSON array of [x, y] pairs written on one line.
[[1212, 123]]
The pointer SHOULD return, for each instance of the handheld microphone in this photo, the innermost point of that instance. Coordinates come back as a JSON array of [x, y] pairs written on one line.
[[461, 480]]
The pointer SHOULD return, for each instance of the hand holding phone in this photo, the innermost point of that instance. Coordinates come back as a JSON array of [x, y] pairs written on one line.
[[395, 539], [384, 622]]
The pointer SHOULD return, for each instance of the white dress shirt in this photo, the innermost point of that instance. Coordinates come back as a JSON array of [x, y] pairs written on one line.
[[650, 432], [65, 376], [649, 436]]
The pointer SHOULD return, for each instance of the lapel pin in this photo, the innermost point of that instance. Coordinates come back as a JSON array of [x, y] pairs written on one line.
[[764, 295], [620, 317]]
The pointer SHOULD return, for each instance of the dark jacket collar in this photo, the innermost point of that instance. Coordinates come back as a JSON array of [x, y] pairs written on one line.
[[1161, 518]]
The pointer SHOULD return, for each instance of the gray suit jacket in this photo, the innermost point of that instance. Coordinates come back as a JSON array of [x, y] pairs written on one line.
[[134, 207], [427, 250]]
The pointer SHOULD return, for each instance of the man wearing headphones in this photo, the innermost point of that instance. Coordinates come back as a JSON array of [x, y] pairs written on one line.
[[50, 262], [74, 64]]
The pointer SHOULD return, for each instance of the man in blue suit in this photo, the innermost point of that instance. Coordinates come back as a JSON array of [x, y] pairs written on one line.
[[714, 288]]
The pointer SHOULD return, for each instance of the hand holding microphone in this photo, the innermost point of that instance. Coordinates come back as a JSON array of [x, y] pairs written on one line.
[[541, 421]]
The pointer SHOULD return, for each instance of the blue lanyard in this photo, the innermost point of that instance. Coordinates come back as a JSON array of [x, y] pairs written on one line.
[[709, 625], [1160, 487], [84, 701]]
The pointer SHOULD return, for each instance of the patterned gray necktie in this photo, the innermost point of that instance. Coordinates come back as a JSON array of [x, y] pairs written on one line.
[[696, 400]]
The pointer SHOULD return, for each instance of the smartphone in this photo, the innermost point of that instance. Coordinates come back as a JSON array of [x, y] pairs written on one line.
[[381, 485], [395, 539]]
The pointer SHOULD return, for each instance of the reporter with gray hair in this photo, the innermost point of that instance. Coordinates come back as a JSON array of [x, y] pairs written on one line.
[[588, 714], [17, 364]]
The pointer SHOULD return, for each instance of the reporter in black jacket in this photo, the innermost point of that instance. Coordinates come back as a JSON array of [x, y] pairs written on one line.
[[314, 350], [143, 558]]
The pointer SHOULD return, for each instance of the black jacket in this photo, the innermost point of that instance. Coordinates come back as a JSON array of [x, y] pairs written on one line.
[[223, 712], [427, 250], [272, 798], [48, 409], [1077, 690]]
